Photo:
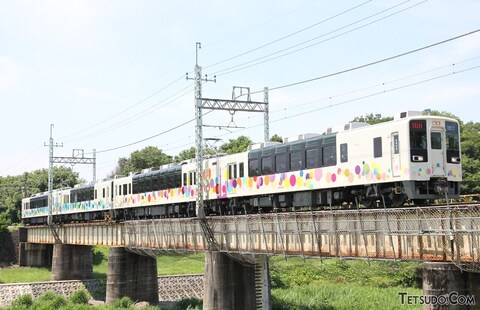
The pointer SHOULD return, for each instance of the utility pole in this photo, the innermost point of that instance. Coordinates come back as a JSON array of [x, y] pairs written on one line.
[[231, 106], [77, 158], [198, 132], [51, 145]]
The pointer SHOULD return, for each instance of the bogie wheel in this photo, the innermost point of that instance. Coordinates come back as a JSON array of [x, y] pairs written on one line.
[[397, 200], [367, 202]]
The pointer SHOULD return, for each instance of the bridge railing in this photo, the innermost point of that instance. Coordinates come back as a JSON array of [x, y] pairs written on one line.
[[449, 233]]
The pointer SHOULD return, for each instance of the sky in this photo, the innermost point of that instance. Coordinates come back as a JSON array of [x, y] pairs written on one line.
[[111, 75]]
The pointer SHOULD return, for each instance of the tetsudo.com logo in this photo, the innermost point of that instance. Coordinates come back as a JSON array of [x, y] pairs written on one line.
[[453, 298]]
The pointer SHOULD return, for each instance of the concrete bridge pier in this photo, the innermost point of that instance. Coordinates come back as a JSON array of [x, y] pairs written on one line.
[[232, 284], [72, 262], [445, 286], [131, 275], [35, 254]]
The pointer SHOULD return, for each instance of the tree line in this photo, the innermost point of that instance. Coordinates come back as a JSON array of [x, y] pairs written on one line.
[[14, 188]]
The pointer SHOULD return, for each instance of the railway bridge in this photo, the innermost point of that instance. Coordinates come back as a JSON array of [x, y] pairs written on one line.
[[237, 247]]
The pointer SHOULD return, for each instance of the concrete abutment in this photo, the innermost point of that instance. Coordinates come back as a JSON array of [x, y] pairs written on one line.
[[131, 275], [445, 286]]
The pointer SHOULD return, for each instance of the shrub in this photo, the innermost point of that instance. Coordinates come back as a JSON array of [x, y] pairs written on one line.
[[50, 300], [189, 303], [80, 297], [123, 303], [24, 301]]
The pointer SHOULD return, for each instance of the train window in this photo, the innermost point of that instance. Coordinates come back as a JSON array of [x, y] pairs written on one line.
[[163, 181], [267, 165], [155, 183], [436, 140], [95, 197], [103, 193], [184, 179], [119, 192], [253, 167], [329, 156], [418, 140], [312, 158], [281, 163], [396, 144], [453, 142], [192, 176], [241, 170], [230, 171], [129, 188], [296, 161], [124, 189], [377, 147], [343, 152]]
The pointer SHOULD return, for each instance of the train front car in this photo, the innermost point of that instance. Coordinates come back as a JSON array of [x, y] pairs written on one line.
[[434, 163]]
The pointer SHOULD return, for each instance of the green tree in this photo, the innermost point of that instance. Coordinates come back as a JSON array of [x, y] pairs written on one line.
[[148, 157], [470, 144], [238, 145], [185, 154], [372, 119], [14, 188], [276, 138], [120, 168]]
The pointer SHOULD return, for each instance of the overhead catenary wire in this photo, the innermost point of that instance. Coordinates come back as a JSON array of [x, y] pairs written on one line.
[[126, 109], [370, 63], [384, 91], [287, 36], [322, 77], [358, 98], [258, 61]]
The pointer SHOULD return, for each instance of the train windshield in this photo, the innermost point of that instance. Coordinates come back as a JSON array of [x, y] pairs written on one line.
[[453, 142]]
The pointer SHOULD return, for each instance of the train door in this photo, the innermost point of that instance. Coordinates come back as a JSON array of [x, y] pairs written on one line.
[[396, 163], [437, 152]]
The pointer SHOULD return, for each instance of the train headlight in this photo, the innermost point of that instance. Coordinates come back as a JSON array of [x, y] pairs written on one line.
[[417, 158], [455, 159]]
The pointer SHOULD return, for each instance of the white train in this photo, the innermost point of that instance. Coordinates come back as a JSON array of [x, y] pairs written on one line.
[[413, 157]]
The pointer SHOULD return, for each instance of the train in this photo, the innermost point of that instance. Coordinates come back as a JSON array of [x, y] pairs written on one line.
[[412, 158]]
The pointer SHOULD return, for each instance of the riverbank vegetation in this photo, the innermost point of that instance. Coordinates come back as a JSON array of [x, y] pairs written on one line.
[[297, 283]]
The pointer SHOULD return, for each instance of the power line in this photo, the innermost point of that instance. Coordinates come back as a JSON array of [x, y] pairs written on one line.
[[372, 63], [255, 63], [288, 36], [373, 94], [181, 93], [361, 97], [148, 138], [305, 112], [128, 108]]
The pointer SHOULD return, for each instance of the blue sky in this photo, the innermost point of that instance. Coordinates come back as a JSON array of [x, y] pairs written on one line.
[[110, 73]]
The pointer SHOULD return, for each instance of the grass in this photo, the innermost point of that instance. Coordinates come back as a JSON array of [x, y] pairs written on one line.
[[296, 283], [167, 264], [25, 274], [341, 284], [340, 296], [296, 272]]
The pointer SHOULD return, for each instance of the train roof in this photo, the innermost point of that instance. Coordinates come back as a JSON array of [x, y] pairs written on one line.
[[156, 171]]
